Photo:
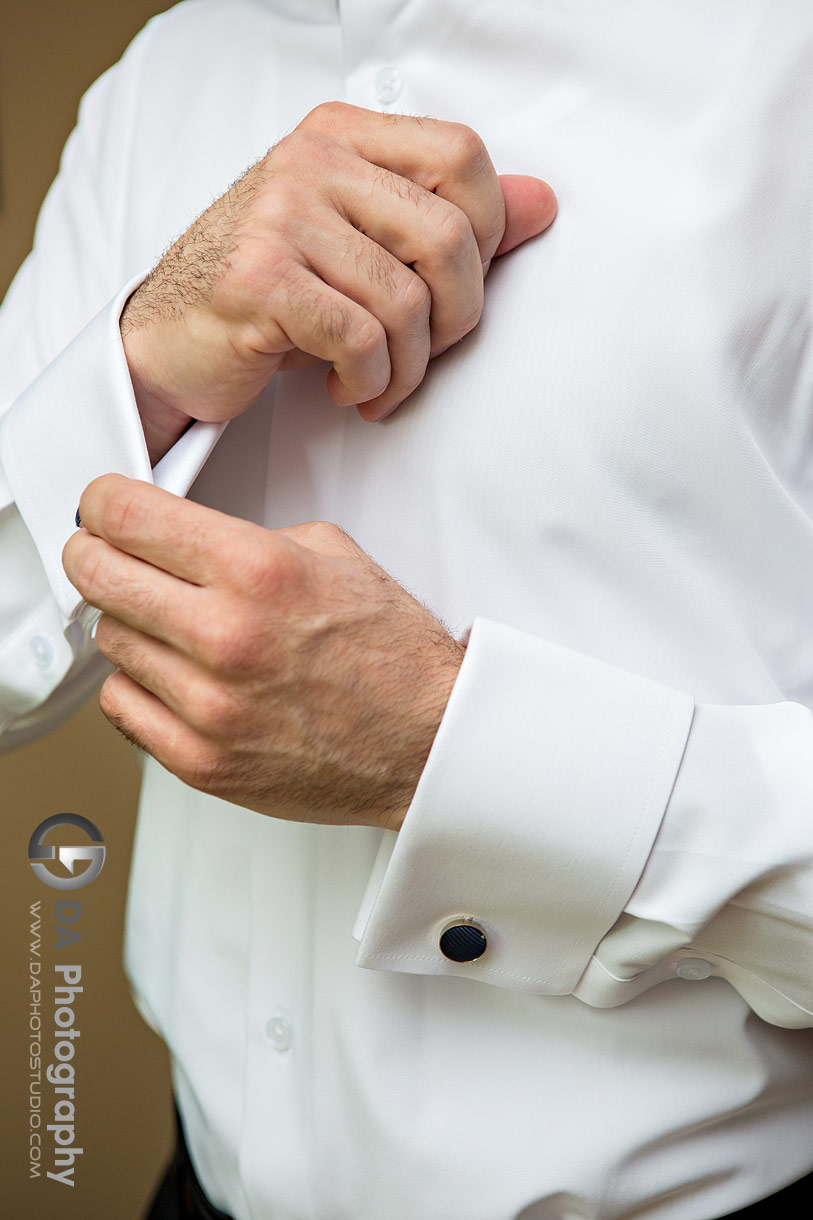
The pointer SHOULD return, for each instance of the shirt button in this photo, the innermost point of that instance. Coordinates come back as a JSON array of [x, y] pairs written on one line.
[[463, 940], [42, 650], [279, 1033], [694, 968], [388, 85]]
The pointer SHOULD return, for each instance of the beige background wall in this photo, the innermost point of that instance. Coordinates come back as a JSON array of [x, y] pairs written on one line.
[[50, 52]]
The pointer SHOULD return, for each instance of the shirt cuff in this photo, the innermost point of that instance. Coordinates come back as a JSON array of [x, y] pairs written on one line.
[[534, 817], [77, 421]]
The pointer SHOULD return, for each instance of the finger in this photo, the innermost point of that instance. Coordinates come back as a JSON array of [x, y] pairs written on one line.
[[153, 664], [530, 207], [327, 324], [144, 596], [425, 232], [196, 544], [400, 299], [151, 726], [446, 158]]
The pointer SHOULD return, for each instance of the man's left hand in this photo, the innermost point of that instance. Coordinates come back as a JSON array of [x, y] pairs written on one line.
[[279, 669]]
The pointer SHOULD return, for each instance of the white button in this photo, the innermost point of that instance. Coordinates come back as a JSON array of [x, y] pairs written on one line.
[[388, 85], [42, 650], [279, 1033], [693, 968]]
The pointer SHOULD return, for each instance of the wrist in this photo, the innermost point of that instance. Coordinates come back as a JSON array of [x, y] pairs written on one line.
[[436, 693], [163, 423]]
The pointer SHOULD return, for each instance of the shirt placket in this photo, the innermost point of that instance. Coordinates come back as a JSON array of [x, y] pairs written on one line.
[[376, 74]]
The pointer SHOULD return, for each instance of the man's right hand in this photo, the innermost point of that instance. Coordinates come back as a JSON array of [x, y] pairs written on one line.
[[361, 239]]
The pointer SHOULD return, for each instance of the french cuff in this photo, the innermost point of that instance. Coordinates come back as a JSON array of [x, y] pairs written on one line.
[[77, 421], [532, 821]]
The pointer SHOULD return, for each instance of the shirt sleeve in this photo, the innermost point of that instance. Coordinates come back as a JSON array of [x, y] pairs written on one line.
[[605, 835], [68, 412]]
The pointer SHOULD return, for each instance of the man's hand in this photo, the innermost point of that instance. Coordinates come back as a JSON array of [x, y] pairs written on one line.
[[361, 239], [279, 669]]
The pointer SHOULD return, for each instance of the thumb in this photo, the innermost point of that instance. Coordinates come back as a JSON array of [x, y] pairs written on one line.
[[530, 206]]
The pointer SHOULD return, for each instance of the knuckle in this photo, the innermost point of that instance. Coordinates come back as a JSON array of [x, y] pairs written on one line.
[[305, 145], [454, 232], [326, 116], [254, 571], [225, 646], [109, 698], [122, 512], [466, 149], [324, 530], [416, 299], [366, 336], [89, 572], [320, 535], [263, 572], [304, 165], [214, 710]]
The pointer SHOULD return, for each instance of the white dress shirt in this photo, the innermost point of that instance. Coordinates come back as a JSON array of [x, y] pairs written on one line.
[[612, 479]]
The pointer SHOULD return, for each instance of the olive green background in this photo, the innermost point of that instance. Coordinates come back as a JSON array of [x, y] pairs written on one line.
[[50, 51]]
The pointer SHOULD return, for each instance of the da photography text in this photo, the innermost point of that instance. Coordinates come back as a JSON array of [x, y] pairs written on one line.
[[56, 996]]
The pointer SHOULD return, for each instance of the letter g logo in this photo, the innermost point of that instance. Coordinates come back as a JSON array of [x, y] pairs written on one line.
[[38, 852]]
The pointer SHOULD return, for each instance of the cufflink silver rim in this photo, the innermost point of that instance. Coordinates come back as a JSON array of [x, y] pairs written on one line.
[[463, 921]]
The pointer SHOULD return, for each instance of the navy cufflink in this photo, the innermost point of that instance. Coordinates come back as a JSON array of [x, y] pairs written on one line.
[[463, 940]]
